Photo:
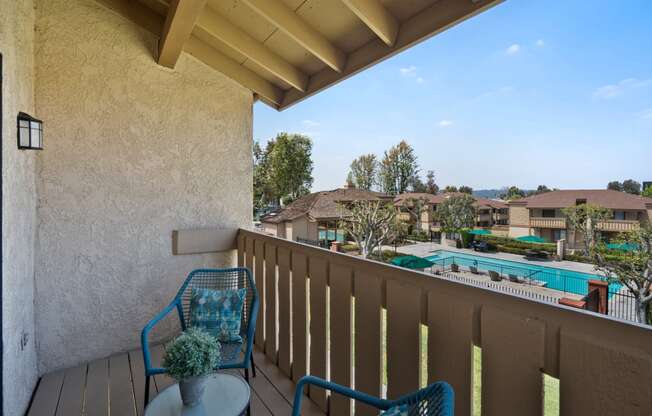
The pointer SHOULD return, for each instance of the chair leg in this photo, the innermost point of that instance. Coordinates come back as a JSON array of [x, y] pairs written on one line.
[[146, 390], [247, 374], [253, 366]]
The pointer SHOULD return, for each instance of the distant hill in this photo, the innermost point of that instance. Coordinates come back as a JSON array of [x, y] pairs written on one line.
[[488, 193]]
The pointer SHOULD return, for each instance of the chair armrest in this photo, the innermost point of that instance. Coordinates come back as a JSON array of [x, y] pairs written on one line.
[[145, 344], [339, 389]]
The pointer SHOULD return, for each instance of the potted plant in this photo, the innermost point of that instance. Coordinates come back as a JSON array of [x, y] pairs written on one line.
[[189, 359]]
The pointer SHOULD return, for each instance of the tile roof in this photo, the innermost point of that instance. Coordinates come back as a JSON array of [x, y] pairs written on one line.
[[322, 205], [603, 197], [439, 198]]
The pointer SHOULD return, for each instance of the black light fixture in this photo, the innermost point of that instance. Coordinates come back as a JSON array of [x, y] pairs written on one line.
[[30, 132]]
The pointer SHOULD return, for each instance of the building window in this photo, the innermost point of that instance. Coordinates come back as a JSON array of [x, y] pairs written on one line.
[[548, 213], [619, 215]]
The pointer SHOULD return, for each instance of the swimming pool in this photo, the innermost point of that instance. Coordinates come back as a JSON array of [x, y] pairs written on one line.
[[559, 279]]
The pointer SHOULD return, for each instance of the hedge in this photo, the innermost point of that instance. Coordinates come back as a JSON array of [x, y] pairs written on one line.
[[511, 245]]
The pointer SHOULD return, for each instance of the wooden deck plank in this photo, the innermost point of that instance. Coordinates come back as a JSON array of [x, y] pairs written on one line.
[[274, 401], [341, 339], [368, 333], [47, 396], [284, 311], [403, 339], [162, 380], [284, 385], [318, 326], [138, 377], [271, 347], [299, 316], [97, 388], [71, 401], [121, 394], [257, 261]]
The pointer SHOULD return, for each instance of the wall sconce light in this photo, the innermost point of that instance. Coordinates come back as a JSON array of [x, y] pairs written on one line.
[[30, 132]]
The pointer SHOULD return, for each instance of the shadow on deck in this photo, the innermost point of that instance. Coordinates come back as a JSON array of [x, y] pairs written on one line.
[[115, 386]]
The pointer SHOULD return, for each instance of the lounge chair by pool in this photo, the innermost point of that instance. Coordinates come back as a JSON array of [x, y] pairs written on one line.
[[495, 276], [455, 268], [474, 269], [514, 278]]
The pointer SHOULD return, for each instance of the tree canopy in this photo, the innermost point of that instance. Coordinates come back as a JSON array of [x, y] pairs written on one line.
[[450, 189], [363, 172], [370, 223], [398, 169], [585, 219], [512, 193], [283, 169], [465, 189], [630, 186], [457, 213], [431, 185]]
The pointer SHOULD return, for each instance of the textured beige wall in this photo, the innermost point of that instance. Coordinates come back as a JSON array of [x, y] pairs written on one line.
[[519, 216], [18, 206], [133, 152]]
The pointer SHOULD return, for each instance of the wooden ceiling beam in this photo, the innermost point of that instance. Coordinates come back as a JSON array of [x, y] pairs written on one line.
[[376, 17], [239, 40], [179, 23], [232, 69], [153, 22], [276, 12], [433, 20]]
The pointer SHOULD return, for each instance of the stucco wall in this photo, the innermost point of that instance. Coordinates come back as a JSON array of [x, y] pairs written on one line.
[[133, 152], [519, 216], [18, 206]]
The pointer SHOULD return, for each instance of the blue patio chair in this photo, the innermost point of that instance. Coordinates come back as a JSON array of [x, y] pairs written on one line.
[[233, 355], [434, 400]]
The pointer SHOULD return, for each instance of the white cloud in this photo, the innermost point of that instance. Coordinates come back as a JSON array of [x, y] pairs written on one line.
[[409, 71], [445, 123], [645, 114], [618, 89], [513, 50], [310, 123], [540, 43]]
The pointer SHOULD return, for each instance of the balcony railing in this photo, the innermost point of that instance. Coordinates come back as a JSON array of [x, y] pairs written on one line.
[[359, 322], [618, 225], [540, 222]]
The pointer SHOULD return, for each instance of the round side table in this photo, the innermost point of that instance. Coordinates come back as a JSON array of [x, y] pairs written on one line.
[[225, 395]]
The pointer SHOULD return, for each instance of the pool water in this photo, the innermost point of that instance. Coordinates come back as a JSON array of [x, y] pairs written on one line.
[[559, 279]]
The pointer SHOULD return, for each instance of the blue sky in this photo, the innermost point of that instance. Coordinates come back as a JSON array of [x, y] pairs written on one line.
[[527, 93]]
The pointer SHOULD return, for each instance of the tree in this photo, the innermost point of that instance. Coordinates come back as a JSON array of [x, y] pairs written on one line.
[[450, 189], [456, 213], [290, 166], [584, 218], [415, 207], [541, 189], [263, 190], [647, 192], [363, 172], [370, 223], [632, 187], [431, 185], [466, 189], [512, 193], [632, 269], [418, 186], [615, 186], [398, 169]]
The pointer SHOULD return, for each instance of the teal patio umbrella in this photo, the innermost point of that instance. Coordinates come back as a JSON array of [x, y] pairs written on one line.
[[480, 232], [531, 239], [412, 262]]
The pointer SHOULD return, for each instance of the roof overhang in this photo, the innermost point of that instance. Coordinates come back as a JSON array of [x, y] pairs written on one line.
[[287, 50]]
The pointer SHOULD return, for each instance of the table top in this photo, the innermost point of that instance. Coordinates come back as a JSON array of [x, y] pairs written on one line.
[[225, 395]]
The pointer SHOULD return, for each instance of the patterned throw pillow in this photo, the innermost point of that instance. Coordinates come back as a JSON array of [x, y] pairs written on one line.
[[218, 312], [401, 410]]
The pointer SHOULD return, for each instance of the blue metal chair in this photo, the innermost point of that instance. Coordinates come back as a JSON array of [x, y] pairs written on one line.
[[233, 355], [434, 400]]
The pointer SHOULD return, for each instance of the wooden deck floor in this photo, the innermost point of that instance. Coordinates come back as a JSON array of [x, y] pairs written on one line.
[[115, 386]]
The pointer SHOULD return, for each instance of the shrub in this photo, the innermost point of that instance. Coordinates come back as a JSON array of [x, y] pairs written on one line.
[[517, 247], [419, 236], [350, 247], [193, 353]]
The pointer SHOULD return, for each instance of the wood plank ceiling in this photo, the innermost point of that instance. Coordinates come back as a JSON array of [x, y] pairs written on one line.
[[287, 50]]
